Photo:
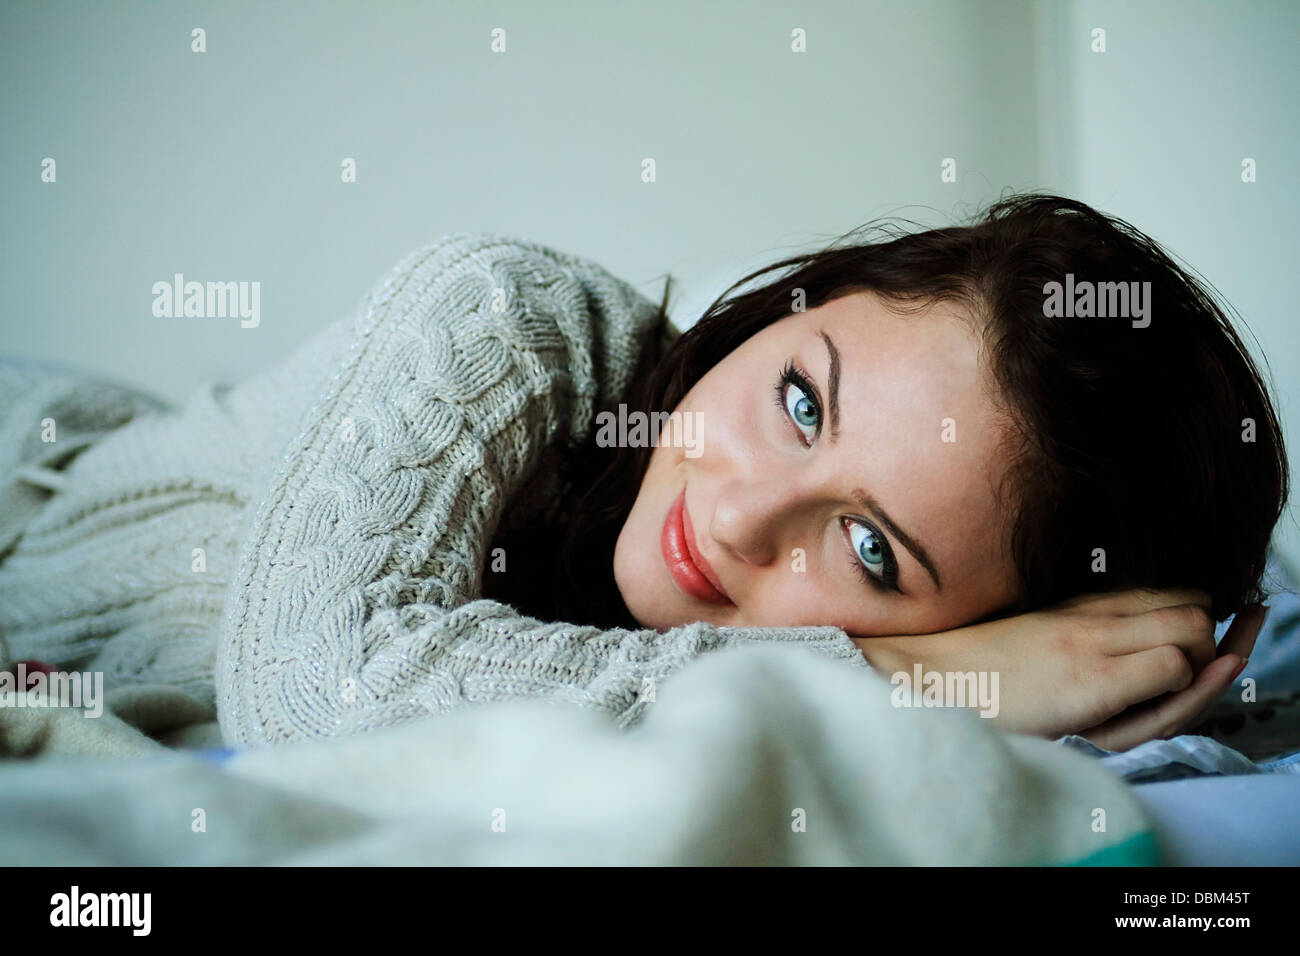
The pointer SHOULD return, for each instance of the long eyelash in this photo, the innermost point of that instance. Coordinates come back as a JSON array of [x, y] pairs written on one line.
[[792, 374], [887, 581]]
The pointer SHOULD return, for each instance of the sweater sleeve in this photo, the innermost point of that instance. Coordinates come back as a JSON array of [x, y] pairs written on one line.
[[357, 599]]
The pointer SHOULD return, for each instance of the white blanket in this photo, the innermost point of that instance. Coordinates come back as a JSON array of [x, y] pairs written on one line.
[[753, 755]]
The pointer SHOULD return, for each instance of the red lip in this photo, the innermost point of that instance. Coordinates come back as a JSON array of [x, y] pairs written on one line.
[[689, 569]]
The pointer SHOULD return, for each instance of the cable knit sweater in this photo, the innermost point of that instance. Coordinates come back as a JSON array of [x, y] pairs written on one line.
[[344, 502]]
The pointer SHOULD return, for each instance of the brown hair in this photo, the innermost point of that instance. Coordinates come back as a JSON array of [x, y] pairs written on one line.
[[1129, 439]]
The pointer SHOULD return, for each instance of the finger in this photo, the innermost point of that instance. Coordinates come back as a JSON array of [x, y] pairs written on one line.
[[1188, 627], [1169, 715], [1238, 668], [1245, 628], [1137, 600], [1147, 674]]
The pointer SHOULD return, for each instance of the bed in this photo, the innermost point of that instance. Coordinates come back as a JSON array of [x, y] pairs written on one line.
[[757, 755]]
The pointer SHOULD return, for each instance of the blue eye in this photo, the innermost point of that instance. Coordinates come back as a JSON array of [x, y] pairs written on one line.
[[873, 558], [803, 411], [794, 396], [867, 546]]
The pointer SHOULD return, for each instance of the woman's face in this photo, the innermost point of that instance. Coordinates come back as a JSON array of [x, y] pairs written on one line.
[[861, 493]]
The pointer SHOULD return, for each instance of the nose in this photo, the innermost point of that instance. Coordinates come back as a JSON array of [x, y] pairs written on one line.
[[752, 516]]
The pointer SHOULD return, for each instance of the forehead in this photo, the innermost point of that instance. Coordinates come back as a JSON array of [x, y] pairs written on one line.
[[918, 418], [938, 346], [915, 365]]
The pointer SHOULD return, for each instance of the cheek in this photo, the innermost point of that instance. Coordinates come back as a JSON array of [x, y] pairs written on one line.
[[814, 585], [737, 426], [636, 552]]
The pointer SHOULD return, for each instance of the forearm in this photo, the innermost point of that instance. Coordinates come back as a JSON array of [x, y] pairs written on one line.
[[470, 358], [1079, 665], [890, 655]]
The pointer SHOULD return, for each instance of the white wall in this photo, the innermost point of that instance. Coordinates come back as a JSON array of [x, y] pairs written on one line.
[[225, 165], [1155, 130]]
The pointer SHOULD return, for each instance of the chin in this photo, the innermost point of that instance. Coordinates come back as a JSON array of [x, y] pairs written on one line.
[[649, 610], [665, 612]]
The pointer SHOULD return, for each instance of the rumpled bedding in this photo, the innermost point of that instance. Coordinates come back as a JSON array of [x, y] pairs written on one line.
[[756, 755]]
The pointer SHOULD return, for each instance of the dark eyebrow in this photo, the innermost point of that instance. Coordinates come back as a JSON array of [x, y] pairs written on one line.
[[918, 552], [834, 355], [864, 499]]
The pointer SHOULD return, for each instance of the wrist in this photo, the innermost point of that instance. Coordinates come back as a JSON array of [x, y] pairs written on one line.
[[886, 655]]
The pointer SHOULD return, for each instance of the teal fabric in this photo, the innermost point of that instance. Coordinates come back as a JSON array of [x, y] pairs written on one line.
[[1141, 849]]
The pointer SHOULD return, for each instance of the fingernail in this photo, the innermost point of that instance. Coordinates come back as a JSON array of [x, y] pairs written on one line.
[[1240, 667]]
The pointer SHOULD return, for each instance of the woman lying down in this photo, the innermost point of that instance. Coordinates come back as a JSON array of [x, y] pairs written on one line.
[[1031, 446]]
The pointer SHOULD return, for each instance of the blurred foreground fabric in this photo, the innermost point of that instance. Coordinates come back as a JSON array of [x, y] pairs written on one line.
[[751, 755]]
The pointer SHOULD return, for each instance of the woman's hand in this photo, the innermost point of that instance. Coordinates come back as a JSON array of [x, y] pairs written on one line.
[[1079, 667], [1173, 713]]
